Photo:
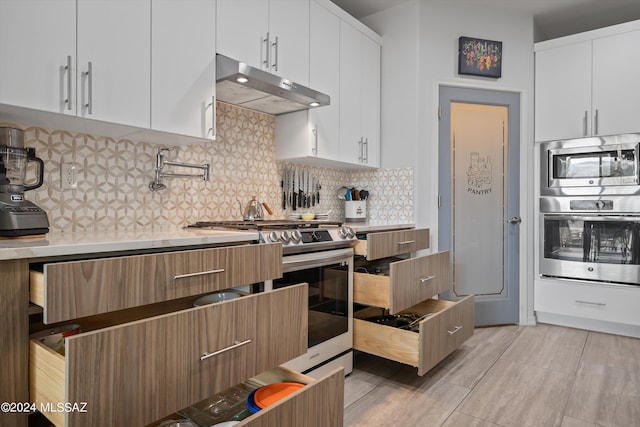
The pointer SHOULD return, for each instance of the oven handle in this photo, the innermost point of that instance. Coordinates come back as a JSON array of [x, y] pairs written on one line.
[[316, 259], [600, 218]]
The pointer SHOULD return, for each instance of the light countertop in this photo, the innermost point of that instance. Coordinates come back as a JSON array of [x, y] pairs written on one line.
[[61, 244]]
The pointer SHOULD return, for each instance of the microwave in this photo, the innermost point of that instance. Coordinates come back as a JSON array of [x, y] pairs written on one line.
[[597, 166]]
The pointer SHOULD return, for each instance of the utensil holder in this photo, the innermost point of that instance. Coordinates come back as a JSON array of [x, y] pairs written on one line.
[[355, 210]]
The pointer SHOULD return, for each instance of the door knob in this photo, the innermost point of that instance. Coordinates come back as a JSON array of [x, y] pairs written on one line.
[[515, 220]]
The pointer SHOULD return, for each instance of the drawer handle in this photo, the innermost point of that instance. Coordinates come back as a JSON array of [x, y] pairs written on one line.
[[408, 242], [236, 344], [426, 279], [200, 273], [456, 329], [599, 304]]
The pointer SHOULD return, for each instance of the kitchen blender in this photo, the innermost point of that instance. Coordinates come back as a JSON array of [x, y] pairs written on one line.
[[18, 217]]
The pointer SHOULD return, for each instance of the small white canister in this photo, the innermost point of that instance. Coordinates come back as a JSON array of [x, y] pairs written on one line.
[[355, 210]]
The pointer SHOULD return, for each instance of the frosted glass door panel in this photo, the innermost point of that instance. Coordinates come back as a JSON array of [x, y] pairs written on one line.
[[478, 156]]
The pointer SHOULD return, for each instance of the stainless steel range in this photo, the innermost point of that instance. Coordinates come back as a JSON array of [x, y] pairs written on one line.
[[319, 253], [295, 236]]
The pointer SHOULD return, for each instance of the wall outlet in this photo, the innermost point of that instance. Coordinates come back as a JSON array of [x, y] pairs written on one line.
[[69, 176]]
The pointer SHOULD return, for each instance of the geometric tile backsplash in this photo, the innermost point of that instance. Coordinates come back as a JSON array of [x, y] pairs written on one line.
[[114, 175]]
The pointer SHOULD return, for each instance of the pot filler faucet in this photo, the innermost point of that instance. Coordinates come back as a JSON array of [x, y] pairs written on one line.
[[157, 184]]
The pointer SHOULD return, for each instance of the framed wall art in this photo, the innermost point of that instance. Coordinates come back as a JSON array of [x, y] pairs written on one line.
[[479, 57]]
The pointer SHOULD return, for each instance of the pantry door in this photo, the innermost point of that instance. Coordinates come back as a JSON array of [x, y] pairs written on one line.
[[478, 215]]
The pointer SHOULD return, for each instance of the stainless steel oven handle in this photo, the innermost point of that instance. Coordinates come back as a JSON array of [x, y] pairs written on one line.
[[305, 263], [602, 218]]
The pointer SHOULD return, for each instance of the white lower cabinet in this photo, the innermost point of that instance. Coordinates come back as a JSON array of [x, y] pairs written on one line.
[[601, 302]]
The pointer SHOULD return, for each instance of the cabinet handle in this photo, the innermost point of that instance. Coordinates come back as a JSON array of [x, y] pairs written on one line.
[[68, 68], [584, 123], [456, 329], [426, 279], [595, 123], [274, 65], [406, 242], [366, 150], [213, 129], [89, 75], [361, 149], [267, 50], [199, 273], [314, 131], [236, 344], [599, 304]]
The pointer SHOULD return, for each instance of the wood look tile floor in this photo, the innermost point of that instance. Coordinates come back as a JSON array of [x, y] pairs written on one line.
[[541, 375]]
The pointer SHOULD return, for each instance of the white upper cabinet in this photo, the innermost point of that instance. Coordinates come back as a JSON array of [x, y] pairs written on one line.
[[241, 30], [616, 86], [183, 67], [563, 92], [37, 50], [289, 39], [586, 84], [314, 134], [324, 76], [344, 64], [114, 61], [359, 97], [371, 101], [272, 35], [351, 138]]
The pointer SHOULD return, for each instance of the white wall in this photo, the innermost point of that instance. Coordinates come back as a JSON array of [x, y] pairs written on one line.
[[419, 54]]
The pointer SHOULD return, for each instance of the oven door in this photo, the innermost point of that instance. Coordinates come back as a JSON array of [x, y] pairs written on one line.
[[588, 169], [591, 247], [330, 278]]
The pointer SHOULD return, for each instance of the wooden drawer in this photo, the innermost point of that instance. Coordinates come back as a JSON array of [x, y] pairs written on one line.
[[139, 372], [318, 404], [610, 303], [409, 282], [71, 290], [438, 335], [392, 243]]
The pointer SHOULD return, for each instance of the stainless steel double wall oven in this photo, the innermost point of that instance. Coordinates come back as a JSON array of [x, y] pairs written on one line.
[[590, 209]]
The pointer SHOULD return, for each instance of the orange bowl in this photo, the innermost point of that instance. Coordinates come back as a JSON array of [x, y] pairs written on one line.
[[271, 393]]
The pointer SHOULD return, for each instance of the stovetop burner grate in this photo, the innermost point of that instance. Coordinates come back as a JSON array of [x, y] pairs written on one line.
[[274, 224]]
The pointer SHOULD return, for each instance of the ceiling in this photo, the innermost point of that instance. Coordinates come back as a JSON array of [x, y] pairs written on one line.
[[552, 18]]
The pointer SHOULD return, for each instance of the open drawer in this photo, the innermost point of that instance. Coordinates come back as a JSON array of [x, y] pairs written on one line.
[[319, 404], [437, 335], [138, 372], [392, 243], [70, 290], [408, 282]]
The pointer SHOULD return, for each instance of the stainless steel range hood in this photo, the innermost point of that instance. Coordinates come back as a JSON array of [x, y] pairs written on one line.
[[249, 87]]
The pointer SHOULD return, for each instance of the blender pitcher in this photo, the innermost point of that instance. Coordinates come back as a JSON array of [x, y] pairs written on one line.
[[18, 217]]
